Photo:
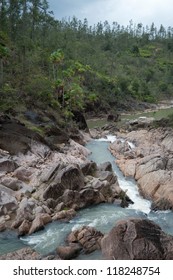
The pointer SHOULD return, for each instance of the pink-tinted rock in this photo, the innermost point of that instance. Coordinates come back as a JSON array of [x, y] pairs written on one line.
[[137, 239]]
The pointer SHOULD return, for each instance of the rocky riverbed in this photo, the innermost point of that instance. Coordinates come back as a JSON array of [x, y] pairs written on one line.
[[42, 182]]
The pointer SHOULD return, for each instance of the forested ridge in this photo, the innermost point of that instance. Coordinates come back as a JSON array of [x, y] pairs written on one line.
[[67, 65]]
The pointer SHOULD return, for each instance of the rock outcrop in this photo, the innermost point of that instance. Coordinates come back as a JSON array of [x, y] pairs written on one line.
[[149, 160], [87, 237], [137, 239], [27, 254], [40, 183], [84, 240], [22, 254]]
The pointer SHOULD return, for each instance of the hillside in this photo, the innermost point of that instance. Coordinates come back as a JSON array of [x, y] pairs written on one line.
[[66, 66]]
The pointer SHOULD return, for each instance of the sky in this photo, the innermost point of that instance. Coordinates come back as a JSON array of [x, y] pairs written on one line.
[[121, 11]]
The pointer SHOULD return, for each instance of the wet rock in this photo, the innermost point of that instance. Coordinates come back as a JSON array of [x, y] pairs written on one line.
[[2, 223], [68, 252], [89, 196], [2, 226], [162, 204], [24, 228], [87, 237], [137, 239], [105, 166], [125, 200], [64, 215], [39, 222]]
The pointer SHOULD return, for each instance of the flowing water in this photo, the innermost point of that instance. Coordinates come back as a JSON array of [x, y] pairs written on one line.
[[103, 217]]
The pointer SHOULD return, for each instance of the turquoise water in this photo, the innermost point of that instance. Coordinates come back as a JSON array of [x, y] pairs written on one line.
[[9, 242]]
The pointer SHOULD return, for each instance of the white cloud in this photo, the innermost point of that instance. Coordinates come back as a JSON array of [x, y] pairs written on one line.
[[121, 11]]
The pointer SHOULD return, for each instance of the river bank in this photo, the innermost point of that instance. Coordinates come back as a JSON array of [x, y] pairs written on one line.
[[149, 162], [44, 185], [155, 111]]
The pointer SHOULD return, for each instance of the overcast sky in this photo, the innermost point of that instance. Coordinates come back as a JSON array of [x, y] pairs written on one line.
[[121, 11]]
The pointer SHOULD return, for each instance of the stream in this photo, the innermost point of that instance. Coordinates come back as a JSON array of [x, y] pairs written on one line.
[[103, 217]]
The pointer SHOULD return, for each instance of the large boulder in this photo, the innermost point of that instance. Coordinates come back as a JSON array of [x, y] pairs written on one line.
[[69, 252], [88, 168], [8, 201], [69, 177], [105, 166], [28, 254], [56, 135], [24, 212], [39, 222], [11, 183], [150, 163], [15, 137], [24, 228], [137, 239], [87, 237], [64, 215], [89, 196], [7, 165], [50, 171]]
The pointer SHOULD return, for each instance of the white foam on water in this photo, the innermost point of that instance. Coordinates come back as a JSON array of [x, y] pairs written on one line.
[[131, 189], [108, 138]]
